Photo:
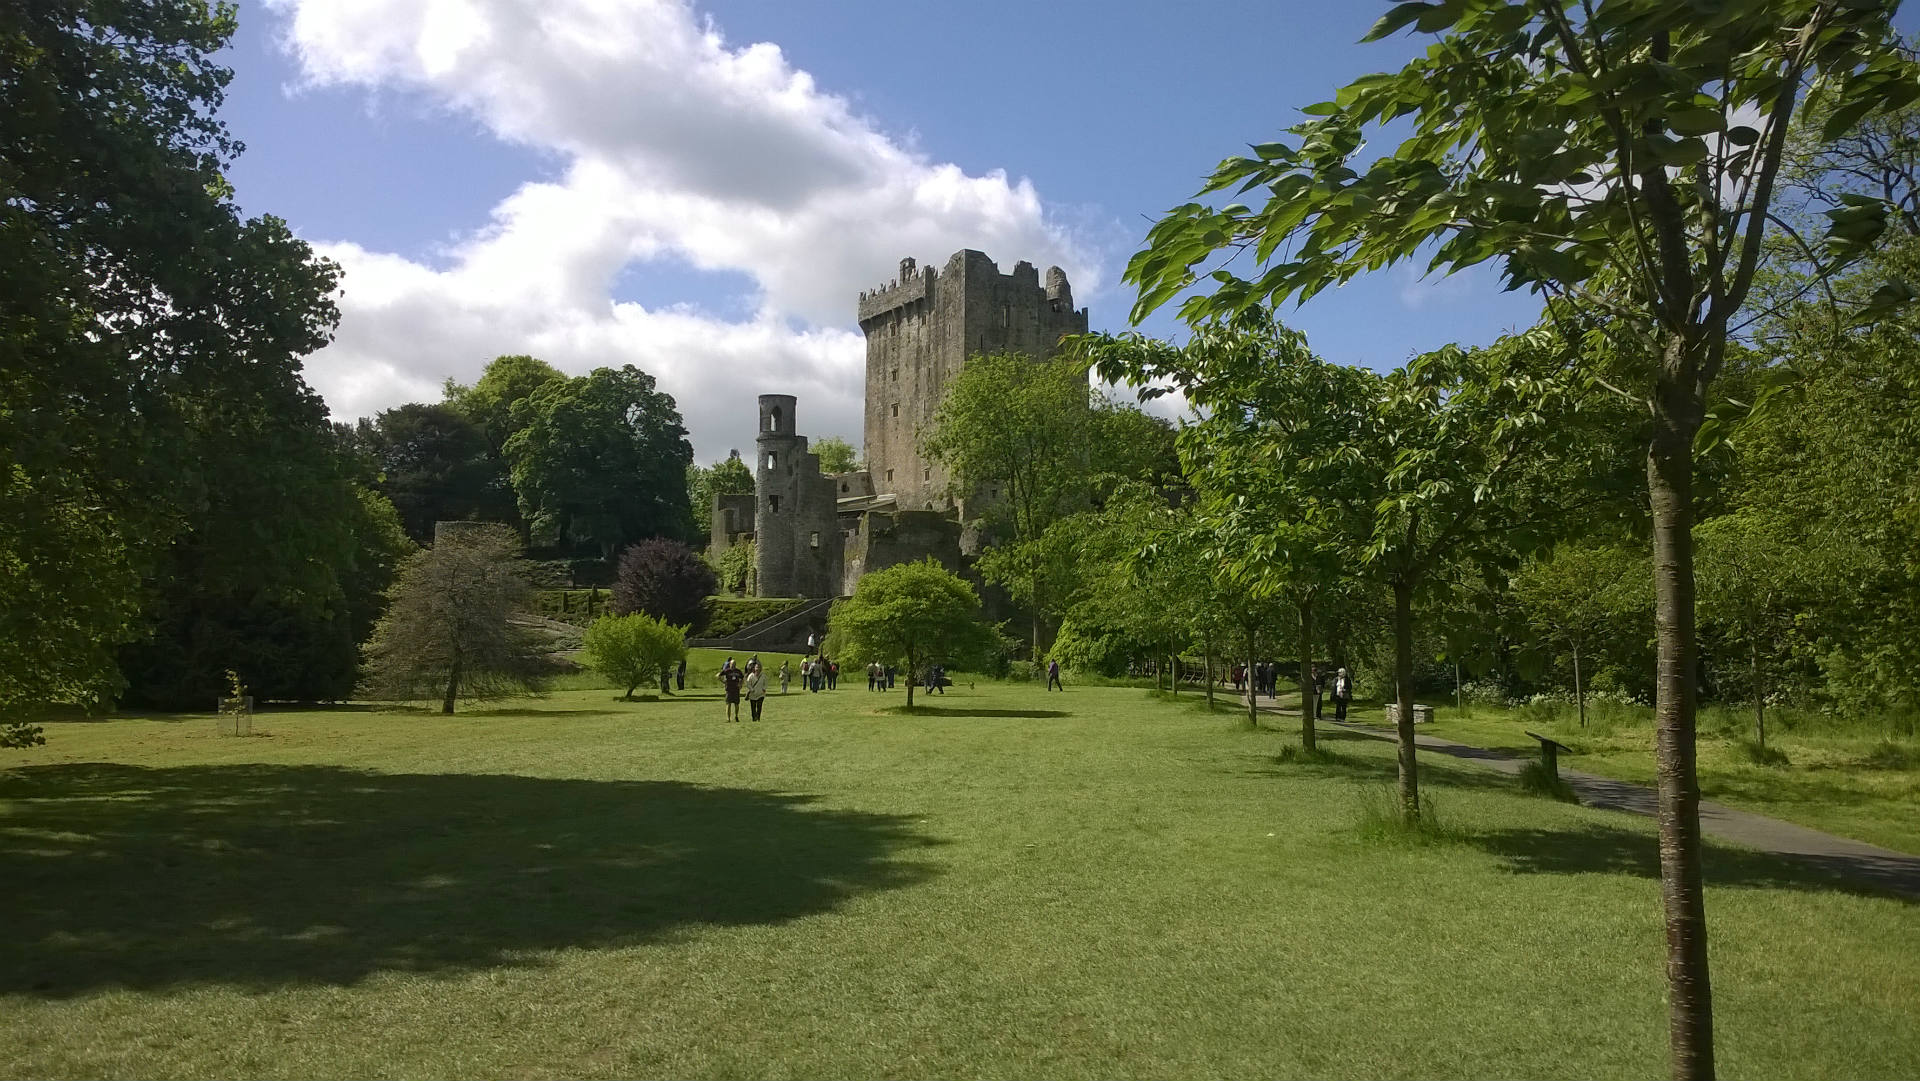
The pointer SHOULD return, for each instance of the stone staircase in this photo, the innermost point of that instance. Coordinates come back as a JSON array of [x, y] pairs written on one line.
[[785, 632]]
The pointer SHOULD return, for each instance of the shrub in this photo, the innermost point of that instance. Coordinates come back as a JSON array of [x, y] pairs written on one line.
[[1535, 779], [667, 580], [634, 649], [19, 735]]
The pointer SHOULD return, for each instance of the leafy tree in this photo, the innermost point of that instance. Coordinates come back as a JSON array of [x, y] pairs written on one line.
[[729, 476], [435, 464], [507, 381], [602, 458], [665, 579], [737, 568], [1754, 584], [1599, 153], [1015, 436], [836, 455], [134, 301], [1575, 595], [634, 649], [912, 615], [450, 628]]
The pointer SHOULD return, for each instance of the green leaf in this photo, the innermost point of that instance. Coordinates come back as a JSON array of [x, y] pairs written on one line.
[[1399, 17], [1741, 135], [1694, 120]]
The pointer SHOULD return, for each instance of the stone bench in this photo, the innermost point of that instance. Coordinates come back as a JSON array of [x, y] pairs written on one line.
[[1421, 714]]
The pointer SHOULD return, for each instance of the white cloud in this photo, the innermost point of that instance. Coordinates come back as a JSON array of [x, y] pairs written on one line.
[[677, 145]]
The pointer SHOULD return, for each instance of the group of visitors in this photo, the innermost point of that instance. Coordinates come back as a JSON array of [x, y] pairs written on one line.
[[818, 674], [879, 677], [1262, 676], [749, 681]]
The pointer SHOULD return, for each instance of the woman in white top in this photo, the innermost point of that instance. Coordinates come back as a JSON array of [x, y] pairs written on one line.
[[756, 689]]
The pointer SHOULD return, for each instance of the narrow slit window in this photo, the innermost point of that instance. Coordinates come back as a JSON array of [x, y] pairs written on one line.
[[813, 540], [773, 504]]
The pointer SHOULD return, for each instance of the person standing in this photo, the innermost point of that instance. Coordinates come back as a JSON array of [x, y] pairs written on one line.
[[786, 674], [1053, 677], [731, 679], [756, 689], [1342, 694], [680, 676], [833, 675]]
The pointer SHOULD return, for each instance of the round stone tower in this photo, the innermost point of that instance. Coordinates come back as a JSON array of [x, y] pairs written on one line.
[[776, 460]]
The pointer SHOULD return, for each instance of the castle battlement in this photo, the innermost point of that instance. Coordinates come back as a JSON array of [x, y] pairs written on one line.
[[912, 285]]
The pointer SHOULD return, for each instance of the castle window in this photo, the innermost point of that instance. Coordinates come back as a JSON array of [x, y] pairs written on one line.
[[896, 409], [889, 476], [895, 375], [926, 474], [813, 540], [773, 419], [843, 489], [771, 459], [773, 504]]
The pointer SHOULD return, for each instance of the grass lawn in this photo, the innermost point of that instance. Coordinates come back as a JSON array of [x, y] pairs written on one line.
[[1010, 883], [1851, 783]]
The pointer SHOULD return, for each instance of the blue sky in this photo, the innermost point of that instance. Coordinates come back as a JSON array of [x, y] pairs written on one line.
[[702, 190]]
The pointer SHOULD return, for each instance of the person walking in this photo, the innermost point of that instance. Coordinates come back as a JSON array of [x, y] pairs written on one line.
[[1053, 677], [833, 675], [731, 679], [756, 689], [785, 675], [1342, 694]]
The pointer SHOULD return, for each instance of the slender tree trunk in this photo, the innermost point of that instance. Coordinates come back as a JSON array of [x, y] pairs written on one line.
[[1253, 695], [1306, 676], [1403, 697], [1579, 691], [1759, 700], [912, 672], [1207, 644], [1173, 670], [1459, 700], [1670, 484], [453, 686]]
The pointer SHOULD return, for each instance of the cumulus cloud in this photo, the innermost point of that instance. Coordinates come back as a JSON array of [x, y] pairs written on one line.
[[677, 145]]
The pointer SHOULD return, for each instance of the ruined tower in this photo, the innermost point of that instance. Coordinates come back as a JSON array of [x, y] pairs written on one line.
[[921, 328], [796, 529]]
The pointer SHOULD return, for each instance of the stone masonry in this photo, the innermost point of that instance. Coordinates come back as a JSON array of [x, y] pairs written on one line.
[[795, 518], [921, 328]]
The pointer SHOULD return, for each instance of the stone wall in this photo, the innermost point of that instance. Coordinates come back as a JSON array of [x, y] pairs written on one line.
[[880, 539], [920, 330], [796, 528]]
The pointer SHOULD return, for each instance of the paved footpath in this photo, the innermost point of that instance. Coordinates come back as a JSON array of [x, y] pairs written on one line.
[[1896, 872]]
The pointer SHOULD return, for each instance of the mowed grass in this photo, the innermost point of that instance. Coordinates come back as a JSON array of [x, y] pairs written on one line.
[[1852, 783], [1009, 883]]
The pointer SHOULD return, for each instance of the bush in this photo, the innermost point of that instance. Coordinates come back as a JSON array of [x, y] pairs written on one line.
[[633, 649], [1536, 780], [728, 614], [667, 580], [19, 735]]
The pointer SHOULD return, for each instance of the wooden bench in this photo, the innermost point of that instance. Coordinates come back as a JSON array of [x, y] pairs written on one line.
[[1550, 754]]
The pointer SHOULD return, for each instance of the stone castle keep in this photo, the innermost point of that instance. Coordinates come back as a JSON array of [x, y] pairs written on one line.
[[817, 534]]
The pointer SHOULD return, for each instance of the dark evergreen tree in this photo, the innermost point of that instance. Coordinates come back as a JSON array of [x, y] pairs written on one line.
[[667, 580]]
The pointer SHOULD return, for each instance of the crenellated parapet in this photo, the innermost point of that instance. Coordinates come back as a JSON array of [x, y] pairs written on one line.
[[912, 285]]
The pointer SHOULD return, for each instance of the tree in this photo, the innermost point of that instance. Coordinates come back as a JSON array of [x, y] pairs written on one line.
[[1754, 583], [911, 615], [730, 476], [836, 455], [133, 300], [450, 626], [1015, 437], [506, 382], [737, 568], [1574, 596], [665, 579], [436, 465], [602, 458], [1600, 153], [634, 649]]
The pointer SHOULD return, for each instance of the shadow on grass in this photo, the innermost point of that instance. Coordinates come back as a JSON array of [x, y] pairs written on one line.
[[263, 875], [1331, 763], [1596, 849], [919, 710]]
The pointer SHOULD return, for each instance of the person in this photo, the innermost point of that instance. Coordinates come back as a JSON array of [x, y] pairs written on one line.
[[1319, 689], [939, 680], [1053, 677], [1342, 694], [889, 677], [833, 675], [756, 688], [680, 676], [785, 675], [731, 677]]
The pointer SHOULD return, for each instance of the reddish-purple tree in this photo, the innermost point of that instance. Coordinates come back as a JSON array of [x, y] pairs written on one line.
[[664, 579]]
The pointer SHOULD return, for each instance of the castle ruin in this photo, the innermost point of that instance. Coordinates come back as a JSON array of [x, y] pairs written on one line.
[[816, 535]]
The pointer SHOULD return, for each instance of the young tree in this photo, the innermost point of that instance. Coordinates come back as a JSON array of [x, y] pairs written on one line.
[[450, 630], [602, 458], [1602, 153], [1575, 594], [665, 579], [634, 649], [1755, 581], [912, 614]]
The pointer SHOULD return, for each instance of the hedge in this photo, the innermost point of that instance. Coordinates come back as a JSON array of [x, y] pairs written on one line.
[[581, 606]]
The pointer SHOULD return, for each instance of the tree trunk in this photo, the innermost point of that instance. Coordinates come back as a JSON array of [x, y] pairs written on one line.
[[910, 677], [1459, 700], [453, 686], [1579, 691], [1306, 676], [1253, 696], [1403, 697], [1173, 672], [1670, 484], [1207, 645], [1759, 700]]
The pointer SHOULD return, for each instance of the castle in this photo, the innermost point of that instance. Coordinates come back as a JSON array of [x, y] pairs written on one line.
[[816, 534]]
